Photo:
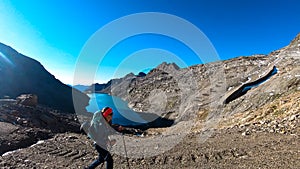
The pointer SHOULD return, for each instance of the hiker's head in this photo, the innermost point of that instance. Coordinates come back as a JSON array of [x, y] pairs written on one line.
[[107, 113]]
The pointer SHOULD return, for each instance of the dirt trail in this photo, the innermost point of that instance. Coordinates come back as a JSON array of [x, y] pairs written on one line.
[[225, 149]]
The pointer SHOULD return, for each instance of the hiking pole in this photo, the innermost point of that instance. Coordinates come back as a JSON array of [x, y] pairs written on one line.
[[125, 151]]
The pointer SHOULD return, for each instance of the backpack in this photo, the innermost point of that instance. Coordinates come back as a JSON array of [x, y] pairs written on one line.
[[91, 128], [99, 129]]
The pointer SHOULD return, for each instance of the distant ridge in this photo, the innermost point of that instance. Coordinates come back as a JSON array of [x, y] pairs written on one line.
[[81, 88]]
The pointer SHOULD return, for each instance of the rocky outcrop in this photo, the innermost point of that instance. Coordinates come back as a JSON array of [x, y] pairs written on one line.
[[22, 126], [28, 100], [22, 75]]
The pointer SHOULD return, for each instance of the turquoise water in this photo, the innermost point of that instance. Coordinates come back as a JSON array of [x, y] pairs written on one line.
[[123, 115]]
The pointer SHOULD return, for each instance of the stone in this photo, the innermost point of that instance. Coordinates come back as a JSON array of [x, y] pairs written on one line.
[[47, 119], [245, 133], [293, 117]]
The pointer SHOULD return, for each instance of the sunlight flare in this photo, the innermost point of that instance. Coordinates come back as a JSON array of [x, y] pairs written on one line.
[[5, 59]]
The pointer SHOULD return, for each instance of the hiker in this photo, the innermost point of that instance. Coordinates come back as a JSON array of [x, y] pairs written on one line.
[[99, 130]]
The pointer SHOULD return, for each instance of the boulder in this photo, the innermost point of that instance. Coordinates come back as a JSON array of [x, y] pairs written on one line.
[[28, 100]]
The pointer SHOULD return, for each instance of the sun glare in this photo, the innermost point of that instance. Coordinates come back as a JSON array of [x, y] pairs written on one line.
[[5, 59]]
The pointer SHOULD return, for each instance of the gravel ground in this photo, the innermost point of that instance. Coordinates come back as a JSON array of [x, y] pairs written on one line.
[[227, 148]]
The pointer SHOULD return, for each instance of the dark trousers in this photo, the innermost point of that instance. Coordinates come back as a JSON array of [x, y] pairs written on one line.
[[104, 155]]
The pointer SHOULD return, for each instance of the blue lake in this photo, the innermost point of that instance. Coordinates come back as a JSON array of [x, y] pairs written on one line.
[[123, 115]]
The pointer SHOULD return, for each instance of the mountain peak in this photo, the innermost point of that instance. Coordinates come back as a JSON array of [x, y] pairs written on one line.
[[296, 41], [168, 67]]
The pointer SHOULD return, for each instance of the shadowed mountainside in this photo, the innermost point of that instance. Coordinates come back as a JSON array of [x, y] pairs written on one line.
[[22, 75]]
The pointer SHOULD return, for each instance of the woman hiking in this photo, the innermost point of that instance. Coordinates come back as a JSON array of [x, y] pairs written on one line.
[[99, 130]]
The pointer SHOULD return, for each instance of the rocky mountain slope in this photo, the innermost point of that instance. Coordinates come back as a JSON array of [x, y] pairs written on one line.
[[23, 75], [178, 93]]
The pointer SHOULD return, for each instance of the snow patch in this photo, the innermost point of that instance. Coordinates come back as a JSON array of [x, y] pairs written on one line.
[[10, 152], [230, 88], [39, 142], [14, 151]]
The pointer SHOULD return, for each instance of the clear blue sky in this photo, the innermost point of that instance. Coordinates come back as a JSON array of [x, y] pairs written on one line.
[[54, 31]]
